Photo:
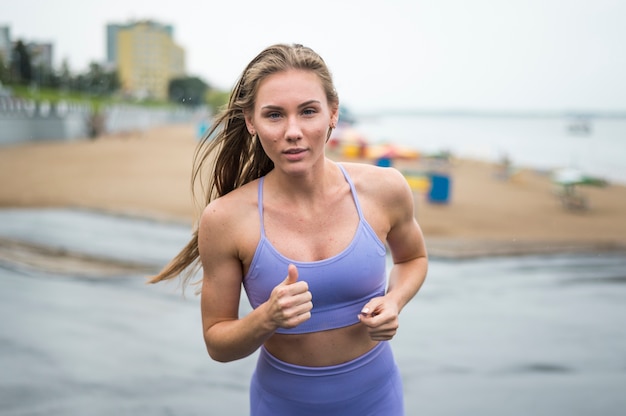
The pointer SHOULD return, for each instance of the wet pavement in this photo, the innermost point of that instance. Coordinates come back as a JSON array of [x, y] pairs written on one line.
[[539, 335]]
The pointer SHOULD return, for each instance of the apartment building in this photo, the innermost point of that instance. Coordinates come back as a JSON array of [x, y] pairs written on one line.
[[146, 57], [5, 43]]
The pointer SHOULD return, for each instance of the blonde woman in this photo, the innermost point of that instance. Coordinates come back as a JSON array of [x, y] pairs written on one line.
[[307, 239]]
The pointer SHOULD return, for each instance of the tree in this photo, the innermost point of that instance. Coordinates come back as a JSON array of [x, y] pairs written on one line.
[[44, 76], [4, 71], [65, 76], [187, 91], [112, 81], [21, 67], [96, 80], [217, 99]]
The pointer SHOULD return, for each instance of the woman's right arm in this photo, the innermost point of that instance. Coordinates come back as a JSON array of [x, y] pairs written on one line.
[[227, 336]]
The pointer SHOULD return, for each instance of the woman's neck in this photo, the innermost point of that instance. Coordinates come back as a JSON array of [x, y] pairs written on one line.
[[319, 182]]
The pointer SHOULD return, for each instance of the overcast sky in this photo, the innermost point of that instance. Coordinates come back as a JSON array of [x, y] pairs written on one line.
[[406, 54]]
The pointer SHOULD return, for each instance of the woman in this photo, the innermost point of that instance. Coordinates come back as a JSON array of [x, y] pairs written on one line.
[[305, 236]]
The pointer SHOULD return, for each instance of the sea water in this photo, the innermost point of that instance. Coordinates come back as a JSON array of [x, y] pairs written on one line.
[[595, 146]]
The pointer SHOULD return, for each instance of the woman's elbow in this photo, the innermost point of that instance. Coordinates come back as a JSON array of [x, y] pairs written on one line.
[[219, 354]]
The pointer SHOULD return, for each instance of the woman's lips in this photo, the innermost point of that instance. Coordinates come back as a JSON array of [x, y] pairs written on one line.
[[294, 154]]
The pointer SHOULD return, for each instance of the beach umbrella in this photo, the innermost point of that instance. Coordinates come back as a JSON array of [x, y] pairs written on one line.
[[349, 141], [345, 133], [392, 151], [570, 177]]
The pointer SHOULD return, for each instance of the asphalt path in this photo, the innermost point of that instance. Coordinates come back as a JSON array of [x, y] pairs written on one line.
[[539, 335]]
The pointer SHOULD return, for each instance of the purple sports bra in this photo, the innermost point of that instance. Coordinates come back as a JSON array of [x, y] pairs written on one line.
[[340, 285]]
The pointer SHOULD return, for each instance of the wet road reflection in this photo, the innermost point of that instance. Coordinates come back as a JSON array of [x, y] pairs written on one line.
[[540, 335]]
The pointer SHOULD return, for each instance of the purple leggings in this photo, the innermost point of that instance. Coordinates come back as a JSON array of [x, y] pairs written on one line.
[[367, 385]]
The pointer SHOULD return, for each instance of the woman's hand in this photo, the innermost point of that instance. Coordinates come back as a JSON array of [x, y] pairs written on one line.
[[290, 302], [380, 315]]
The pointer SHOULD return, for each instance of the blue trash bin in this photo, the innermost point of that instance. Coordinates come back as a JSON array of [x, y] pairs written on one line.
[[439, 189], [203, 126], [384, 162]]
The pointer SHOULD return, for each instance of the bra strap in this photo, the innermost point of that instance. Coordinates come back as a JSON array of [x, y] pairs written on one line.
[[352, 190], [260, 203], [345, 175]]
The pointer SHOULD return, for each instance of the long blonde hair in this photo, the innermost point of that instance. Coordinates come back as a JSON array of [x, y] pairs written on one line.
[[239, 157]]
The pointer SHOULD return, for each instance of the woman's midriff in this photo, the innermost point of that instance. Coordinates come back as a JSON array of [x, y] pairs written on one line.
[[321, 349]]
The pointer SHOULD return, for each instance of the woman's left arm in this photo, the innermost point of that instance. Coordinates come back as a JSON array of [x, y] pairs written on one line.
[[410, 260]]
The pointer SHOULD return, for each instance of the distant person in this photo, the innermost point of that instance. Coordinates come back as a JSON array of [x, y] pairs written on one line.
[[504, 167], [96, 124], [305, 236]]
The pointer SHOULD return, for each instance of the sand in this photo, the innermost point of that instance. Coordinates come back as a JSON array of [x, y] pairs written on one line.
[[147, 174]]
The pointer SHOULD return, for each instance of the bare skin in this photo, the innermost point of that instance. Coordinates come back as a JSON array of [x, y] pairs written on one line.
[[309, 215]]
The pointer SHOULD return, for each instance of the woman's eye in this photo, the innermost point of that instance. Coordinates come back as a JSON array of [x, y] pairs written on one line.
[[273, 115], [309, 111]]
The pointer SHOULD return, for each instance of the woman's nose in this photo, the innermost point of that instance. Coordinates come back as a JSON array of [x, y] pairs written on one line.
[[293, 131]]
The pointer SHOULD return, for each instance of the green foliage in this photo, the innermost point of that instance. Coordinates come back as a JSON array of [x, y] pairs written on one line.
[[97, 86], [4, 71], [21, 68], [54, 95], [98, 81], [217, 99], [188, 91]]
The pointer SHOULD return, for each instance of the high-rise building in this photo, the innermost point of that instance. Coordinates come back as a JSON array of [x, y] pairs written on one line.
[[5, 43], [40, 54], [146, 57]]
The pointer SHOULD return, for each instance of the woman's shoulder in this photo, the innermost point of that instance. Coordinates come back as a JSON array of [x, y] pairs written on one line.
[[368, 177], [383, 192], [233, 208]]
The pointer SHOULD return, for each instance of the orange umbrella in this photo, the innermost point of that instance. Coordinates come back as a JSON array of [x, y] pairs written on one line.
[[392, 151], [349, 141]]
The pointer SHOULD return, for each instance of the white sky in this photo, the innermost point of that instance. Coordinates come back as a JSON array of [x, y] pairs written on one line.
[[404, 54]]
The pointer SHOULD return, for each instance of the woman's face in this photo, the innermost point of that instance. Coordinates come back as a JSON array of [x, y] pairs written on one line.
[[291, 117]]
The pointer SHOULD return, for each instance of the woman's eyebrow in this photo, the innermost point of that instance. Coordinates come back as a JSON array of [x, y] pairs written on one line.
[[277, 107]]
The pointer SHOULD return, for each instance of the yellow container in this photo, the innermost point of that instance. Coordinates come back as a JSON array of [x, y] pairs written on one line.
[[351, 150], [418, 183]]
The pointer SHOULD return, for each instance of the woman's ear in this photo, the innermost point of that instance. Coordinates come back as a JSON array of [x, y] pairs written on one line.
[[334, 116], [249, 124]]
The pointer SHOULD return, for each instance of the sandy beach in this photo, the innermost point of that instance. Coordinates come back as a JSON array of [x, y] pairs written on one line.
[[502, 335], [147, 174]]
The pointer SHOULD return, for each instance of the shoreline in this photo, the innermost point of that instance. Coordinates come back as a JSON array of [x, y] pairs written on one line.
[[24, 255], [146, 175]]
